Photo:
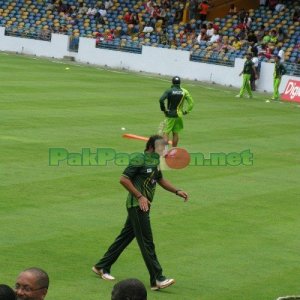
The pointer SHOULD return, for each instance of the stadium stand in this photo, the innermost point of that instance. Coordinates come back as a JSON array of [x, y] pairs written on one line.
[[171, 27]]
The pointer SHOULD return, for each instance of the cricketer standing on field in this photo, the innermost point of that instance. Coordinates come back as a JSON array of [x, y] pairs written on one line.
[[279, 71], [140, 179], [247, 70], [177, 96]]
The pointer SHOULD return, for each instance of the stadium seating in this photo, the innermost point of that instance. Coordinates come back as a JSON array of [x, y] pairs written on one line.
[[34, 19]]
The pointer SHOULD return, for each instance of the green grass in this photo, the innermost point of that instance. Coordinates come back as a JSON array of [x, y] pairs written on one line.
[[237, 238]]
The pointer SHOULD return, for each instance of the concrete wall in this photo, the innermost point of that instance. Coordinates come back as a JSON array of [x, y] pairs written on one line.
[[153, 60], [57, 47]]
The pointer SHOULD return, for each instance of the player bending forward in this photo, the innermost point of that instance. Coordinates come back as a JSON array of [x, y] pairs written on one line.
[[140, 179]]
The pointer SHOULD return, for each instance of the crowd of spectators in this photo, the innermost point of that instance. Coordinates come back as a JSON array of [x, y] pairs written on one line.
[[180, 24], [264, 42]]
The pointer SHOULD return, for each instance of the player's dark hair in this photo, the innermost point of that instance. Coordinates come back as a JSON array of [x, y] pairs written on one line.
[[6, 292], [151, 142], [129, 289]]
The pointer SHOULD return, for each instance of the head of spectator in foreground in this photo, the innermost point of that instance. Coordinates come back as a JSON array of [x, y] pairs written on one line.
[[129, 289], [7, 293], [32, 284]]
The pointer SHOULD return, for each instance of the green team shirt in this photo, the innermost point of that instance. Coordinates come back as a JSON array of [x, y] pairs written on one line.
[[248, 67], [176, 97], [279, 70], [143, 173]]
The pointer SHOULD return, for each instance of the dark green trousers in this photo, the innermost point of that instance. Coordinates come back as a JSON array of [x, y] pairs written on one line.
[[136, 226]]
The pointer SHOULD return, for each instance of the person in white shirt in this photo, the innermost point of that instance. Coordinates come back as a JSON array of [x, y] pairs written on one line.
[[148, 28], [108, 4], [279, 7], [262, 2], [102, 11], [281, 54], [91, 11], [210, 30], [202, 37], [214, 38], [255, 65]]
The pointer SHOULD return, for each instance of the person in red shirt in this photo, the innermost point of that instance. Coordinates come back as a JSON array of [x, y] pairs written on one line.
[[127, 17], [203, 10]]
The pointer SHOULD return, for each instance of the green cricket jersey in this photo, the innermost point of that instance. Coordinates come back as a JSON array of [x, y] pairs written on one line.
[[279, 70], [248, 67], [176, 97], [143, 172]]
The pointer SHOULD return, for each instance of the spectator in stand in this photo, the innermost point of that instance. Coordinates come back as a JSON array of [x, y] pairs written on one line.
[[99, 38], [296, 15], [108, 4], [163, 14], [279, 6], [236, 44], [272, 4], [260, 33], [202, 37], [110, 35], [232, 10], [179, 7], [210, 30], [261, 50], [127, 17], [265, 51], [92, 11], [266, 39], [242, 15], [241, 35], [203, 10], [166, 4], [255, 65], [216, 27], [7, 293], [155, 12], [225, 46], [214, 38], [193, 9], [273, 37], [148, 28], [281, 54], [252, 37], [149, 7], [163, 37], [247, 21], [82, 9], [281, 36], [262, 2], [135, 20], [99, 19], [102, 10]]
